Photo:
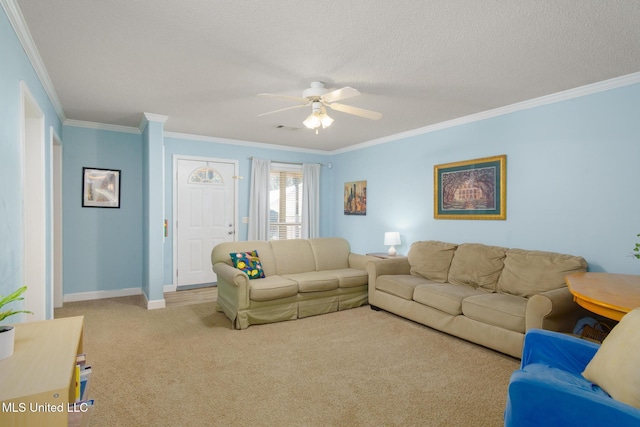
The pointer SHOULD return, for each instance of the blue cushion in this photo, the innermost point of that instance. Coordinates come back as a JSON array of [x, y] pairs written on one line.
[[562, 378]]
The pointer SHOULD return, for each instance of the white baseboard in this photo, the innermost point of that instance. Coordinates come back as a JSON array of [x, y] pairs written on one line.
[[86, 296], [169, 288], [155, 304]]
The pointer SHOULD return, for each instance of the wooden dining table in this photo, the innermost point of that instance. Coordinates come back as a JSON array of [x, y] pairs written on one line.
[[610, 295]]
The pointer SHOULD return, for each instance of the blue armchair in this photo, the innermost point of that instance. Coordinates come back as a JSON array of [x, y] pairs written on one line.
[[549, 389]]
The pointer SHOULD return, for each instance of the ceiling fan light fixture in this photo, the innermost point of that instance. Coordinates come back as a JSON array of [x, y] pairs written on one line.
[[317, 118], [318, 97], [312, 121], [325, 120]]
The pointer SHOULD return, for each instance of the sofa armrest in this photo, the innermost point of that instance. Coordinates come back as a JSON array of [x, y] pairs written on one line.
[[535, 400], [557, 350], [553, 310], [543, 397], [384, 267], [232, 282], [360, 261], [388, 266]]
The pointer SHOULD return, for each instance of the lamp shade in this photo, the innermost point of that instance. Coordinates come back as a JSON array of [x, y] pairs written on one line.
[[312, 121], [392, 238]]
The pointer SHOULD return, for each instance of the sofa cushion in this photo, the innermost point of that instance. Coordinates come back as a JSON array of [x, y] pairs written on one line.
[[349, 277], [616, 365], [331, 253], [314, 281], [502, 310], [400, 285], [527, 273], [562, 378], [431, 259], [445, 297], [477, 265], [249, 262], [272, 288], [293, 256]]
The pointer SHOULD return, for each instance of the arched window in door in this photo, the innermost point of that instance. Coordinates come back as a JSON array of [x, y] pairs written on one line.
[[205, 175]]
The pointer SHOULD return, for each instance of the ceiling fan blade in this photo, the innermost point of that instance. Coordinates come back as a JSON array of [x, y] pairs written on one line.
[[367, 114], [285, 109], [287, 97], [338, 94]]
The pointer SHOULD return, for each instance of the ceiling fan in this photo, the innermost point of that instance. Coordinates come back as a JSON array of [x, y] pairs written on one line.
[[318, 97]]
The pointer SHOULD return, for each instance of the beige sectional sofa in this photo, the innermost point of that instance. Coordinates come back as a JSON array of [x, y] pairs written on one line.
[[303, 278], [488, 295]]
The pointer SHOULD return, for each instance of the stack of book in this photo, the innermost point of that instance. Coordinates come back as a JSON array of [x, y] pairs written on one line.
[[81, 409]]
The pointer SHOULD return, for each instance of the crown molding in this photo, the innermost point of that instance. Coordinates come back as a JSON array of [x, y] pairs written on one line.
[[155, 117], [589, 89], [100, 126], [190, 137], [16, 19], [254, 144], [150, 117]]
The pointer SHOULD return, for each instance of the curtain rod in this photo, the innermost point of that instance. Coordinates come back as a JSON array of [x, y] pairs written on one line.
[[287, 163]]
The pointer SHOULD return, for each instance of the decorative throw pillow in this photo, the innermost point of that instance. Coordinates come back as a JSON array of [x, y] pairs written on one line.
[[249, 262], [616, 365]]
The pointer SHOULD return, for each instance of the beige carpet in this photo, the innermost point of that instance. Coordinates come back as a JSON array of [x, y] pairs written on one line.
[[185, 366]]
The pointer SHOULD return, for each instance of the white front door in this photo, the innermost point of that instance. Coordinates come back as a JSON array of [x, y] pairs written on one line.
[[205, 216]]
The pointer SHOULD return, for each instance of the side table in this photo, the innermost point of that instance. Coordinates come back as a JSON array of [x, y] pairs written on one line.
[[385, 255], [610, 295]]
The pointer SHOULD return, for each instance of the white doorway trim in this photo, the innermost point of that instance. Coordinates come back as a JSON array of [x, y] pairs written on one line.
[[34, 227], [176, 158], [55, 154]]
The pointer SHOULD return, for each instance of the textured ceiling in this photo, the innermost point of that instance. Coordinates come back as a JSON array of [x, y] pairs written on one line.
[[202, 63]]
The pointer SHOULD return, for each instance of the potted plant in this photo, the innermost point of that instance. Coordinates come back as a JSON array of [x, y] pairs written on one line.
[[637, 250], [8, 332]]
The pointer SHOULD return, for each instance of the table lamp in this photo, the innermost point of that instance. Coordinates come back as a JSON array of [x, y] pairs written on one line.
[[392, 238]]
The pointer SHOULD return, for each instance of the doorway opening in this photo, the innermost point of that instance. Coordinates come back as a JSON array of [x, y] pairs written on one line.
[[56, 218], [34, 206]]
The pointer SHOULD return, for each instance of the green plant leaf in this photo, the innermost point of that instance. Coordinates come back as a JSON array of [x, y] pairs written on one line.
[[7, 313], [14, 296]]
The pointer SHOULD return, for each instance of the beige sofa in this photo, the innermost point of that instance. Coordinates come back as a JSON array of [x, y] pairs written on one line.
[[303, 278], [485, 294]]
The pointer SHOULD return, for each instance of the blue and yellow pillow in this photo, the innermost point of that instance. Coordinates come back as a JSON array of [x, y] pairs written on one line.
[[249, 262]]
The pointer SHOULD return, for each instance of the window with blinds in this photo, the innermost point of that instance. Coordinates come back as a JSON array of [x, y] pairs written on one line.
[[285, 199]]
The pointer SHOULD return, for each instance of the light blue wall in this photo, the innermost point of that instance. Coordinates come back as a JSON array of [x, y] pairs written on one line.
[[571, 173], [15, 68], [103, 248], [229, 150], [572, 181]]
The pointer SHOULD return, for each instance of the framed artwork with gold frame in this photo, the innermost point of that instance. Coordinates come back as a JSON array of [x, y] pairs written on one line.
[[471, 189]]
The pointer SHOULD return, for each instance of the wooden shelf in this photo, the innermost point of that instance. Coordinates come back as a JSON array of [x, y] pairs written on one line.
[[39, 379]]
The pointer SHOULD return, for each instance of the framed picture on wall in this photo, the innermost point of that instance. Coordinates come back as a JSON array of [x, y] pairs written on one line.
[[471, 189], [355, 198], [100, 188]]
